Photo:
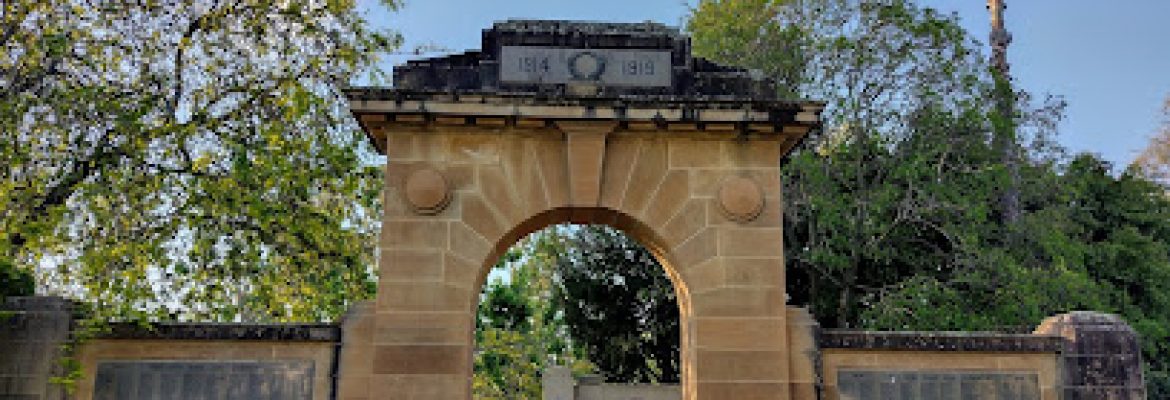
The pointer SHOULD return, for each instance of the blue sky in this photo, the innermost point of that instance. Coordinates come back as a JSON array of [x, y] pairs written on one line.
[[1109, 59]]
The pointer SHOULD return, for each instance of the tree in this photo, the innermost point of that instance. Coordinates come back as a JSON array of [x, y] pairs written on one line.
[[519, 330], [889, 223], [587, 297], [13, 281], [1154, 161], [618, 304], [891, 216], [907, 119], [188, 159]]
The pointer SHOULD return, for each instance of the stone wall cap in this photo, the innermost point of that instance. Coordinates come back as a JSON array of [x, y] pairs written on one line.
[[1087, 318], [39, 303], [939, 341], [316, 332]]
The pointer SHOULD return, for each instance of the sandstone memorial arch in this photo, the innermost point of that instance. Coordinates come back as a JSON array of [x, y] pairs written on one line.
[[600, 123], [553, 122]]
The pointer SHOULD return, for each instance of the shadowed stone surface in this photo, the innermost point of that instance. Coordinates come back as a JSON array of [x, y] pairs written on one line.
[[1101, 356], [208, 380], [226, 331], [32, 331], [940, 341], [937, 385]]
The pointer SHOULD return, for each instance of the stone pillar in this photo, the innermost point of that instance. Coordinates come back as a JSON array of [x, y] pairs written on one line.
[[804, 354], [32, 332], [557, 383], [355, 361], [1101, 357]]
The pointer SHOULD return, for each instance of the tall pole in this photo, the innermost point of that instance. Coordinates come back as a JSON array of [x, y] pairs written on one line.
[[1000, 38], [1004, 127]]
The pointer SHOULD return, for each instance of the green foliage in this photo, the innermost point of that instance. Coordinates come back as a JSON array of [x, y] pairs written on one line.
[[618, 305], [1157, 384], [584, 296], [519, 329], [894, 215], [14, 281], [191, 159]]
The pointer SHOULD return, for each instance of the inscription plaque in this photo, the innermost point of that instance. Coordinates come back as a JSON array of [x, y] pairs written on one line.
[[605, 67], [936, 385], [211, 380]]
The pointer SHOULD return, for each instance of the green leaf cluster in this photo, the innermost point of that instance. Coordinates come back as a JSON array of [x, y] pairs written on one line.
[[619, 305], [895, 211], [587, 297], [520, 330], [190, 159]]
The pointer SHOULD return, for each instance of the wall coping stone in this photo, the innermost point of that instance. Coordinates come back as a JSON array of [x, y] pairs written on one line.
[[939, 341], [319, 332], [38, 304]]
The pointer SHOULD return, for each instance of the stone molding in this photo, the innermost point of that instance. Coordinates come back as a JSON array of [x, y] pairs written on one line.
[[939, 341], [226, 331]]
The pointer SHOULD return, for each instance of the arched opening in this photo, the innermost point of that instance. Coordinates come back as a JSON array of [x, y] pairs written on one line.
[[579, 289]]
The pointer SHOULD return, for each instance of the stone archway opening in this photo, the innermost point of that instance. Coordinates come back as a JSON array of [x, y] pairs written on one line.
[[585, 298]]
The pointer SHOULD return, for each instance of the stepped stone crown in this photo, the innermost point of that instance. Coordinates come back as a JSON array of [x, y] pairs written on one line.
[[537, 73], [583, 58]]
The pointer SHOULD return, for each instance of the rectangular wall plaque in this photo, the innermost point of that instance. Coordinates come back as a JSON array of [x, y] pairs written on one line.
[[211, 380], [937, 385], [604, 67]]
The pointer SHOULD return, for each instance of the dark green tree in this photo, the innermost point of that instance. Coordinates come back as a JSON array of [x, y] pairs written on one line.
[[519, 329], [618, 305], [893, 213], [14, 281]]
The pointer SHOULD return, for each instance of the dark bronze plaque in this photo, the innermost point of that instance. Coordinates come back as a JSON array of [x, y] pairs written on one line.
[[935, 385], [211, 380]]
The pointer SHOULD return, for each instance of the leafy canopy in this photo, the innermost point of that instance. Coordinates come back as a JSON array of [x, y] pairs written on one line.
[[188, 159]]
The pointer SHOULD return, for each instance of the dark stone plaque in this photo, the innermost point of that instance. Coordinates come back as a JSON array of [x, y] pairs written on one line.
[[211, 380], [605, 67], [937, 385]]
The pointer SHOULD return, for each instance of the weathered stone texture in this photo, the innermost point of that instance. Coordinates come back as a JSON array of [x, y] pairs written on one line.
[[211, 380], [1101, 357], [433, 265], [874, 368], [32, 331]]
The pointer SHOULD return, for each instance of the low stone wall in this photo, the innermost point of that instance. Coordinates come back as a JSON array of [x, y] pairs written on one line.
[[559, 384], [1080, 355], [213, 369], [165, 361], [1073, 356], [213, 361]]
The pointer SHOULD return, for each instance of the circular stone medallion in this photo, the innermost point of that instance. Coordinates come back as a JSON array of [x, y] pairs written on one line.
[[427, 191], [740, 199]]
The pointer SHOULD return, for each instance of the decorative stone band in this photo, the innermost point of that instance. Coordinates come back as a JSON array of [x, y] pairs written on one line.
[[211, 331], [377, 109], [940, 341]]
